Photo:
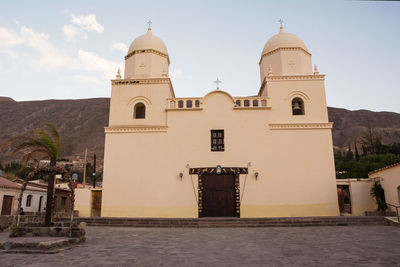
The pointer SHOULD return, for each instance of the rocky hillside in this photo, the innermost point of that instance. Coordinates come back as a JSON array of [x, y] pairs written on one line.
[[348, 125], [81, 123]]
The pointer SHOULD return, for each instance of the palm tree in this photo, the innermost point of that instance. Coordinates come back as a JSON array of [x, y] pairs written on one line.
[[40, 144]]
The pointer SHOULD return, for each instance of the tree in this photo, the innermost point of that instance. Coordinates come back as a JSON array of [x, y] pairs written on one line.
[[41, 144], [378, 193], [371, 141], [349, 155], [357, 155]]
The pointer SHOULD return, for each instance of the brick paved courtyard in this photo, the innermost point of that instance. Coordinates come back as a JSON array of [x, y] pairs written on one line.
[[310, 246]]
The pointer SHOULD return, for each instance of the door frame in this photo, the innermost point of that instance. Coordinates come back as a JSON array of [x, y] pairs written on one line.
[[234, 171]]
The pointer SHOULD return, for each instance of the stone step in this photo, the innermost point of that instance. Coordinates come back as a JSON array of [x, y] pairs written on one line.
[[231, 222]]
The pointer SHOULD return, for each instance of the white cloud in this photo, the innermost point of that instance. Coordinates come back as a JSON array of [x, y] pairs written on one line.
[[71, 32], [88, 79], [119, 47], [50, 56], [9, 38], [175, 73], [93, 62], [88, 23]]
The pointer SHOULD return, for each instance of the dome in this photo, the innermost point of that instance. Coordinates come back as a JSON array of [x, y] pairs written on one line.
[[148, 41], [283, 39]]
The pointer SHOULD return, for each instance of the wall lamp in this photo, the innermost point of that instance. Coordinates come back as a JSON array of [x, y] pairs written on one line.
[[181, 175], [256, 175]]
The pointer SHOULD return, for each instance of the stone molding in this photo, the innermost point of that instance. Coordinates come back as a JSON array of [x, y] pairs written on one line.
[[296, 77], [135, 129], [145, 81], [300, 126], [271, 78], [283, 49], [158, 53], [141, 81]]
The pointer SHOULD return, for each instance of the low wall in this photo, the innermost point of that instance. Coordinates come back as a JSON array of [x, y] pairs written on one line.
[[8, 221]]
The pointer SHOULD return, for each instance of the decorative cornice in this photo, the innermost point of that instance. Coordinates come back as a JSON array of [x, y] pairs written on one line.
[[300, 126], [295, 77], [140, 81], [135, 129], [183, 109], [283, 49], [158, 53], [271, 78], [145, 81], [250, 108]]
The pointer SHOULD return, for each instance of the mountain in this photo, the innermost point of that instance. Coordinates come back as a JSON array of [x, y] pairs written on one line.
[[348, 125], [81, 123]]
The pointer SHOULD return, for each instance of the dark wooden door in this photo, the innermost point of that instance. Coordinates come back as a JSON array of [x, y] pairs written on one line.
[[7, 205], [219, 195], [96, 204]]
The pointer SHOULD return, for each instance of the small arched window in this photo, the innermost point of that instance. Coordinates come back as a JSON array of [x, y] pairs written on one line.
[[297, 106], [246, 103], [139, 111], [28, 200]]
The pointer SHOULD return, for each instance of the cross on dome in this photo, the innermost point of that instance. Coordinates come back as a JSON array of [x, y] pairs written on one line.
[[149, 22], [217, 82], [281, 22]]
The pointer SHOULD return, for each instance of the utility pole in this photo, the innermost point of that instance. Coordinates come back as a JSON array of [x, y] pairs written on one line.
[[84, 168], [94, 171]]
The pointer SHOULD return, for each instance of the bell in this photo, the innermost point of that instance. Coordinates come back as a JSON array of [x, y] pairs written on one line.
[[296, 106]]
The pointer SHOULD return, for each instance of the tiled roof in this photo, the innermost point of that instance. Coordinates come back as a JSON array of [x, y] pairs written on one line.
[[384, 168], [5, 183]]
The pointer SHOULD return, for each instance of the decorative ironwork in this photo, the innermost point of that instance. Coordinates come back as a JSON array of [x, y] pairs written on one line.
[[225, 170]]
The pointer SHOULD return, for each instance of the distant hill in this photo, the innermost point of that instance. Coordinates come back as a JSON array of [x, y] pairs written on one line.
[[81, 123]]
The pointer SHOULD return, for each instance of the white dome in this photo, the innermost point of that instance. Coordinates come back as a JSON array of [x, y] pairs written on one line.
[[148, 41], [283, 39]]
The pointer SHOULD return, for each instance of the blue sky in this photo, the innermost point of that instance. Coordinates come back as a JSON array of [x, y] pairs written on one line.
[[71, 49]]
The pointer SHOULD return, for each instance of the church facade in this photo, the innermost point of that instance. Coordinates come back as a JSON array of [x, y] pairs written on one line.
[[268, 155]]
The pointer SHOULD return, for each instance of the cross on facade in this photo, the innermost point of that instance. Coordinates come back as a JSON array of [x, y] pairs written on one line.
[[149, 22], [217, 82], [281, 22]]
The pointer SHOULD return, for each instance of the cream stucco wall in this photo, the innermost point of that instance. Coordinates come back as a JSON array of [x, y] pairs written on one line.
[[360, 198], [83, 201], [10, 192], [296, 168], [390, 181]]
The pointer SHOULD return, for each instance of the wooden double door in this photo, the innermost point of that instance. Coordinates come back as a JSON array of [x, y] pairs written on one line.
[[7, 205], [219, 195]]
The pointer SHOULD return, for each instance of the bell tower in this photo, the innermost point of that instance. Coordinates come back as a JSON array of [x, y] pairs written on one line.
[[297, 94], [139, 99]]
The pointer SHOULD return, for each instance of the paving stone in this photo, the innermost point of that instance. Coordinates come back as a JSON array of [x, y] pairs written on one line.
[[309, 246]]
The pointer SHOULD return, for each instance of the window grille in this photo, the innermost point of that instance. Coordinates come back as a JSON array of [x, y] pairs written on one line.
[[217, 140]]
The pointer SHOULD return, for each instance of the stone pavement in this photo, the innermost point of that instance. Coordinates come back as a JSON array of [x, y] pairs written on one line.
[[281, 246]]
